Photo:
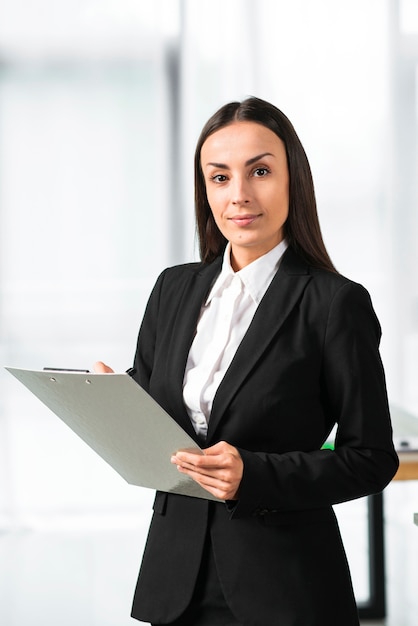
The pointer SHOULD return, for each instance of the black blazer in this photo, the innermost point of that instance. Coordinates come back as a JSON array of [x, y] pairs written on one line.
[[309, 360]]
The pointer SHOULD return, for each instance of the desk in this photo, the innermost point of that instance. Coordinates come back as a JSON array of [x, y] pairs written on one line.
[[375, 608], [405, 436], [408, 466], [405, 428]]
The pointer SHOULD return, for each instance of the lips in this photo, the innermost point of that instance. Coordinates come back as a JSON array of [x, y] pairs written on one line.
[[243, 220]]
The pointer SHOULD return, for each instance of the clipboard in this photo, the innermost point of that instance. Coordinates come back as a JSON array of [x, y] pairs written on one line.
[[121, 422]]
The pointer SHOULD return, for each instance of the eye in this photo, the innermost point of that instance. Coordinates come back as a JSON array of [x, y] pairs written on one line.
[[259, 172], [218, 178]]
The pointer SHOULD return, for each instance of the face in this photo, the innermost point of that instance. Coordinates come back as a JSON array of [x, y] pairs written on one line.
[[247, 186]]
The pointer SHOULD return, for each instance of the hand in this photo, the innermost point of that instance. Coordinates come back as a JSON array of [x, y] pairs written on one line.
[[219, 470], [100, 368]]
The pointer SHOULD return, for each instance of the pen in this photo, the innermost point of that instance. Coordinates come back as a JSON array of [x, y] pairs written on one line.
[[65, 369]]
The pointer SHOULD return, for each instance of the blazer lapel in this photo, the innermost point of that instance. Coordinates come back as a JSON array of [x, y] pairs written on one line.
[[192, 299], [282, 295]]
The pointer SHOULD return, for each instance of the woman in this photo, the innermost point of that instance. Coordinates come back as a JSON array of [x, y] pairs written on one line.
[[257, 352]]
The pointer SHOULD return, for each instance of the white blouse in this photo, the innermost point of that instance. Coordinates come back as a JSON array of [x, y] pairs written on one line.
[[223, 322]]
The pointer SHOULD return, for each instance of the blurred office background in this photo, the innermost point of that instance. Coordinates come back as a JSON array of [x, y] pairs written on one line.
[[101, 103]]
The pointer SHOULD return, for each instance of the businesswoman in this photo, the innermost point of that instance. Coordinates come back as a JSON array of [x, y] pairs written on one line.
[[257, 352]]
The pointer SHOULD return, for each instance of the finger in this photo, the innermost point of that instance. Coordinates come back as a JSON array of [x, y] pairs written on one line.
[[101, 368], [209, 460], [228, 476], [218, 488], [221, 475], [219, 448], [211, 457]]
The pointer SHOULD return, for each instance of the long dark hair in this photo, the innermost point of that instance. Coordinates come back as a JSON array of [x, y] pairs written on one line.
[[302, 229]]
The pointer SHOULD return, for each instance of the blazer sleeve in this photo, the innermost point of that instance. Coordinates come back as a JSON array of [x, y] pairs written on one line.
[[353, 394], [145, 349]]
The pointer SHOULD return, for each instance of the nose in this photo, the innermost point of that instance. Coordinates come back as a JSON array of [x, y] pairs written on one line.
[[240, 191]]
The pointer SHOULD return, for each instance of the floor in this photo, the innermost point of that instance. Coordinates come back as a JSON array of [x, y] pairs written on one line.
[[82, 570]]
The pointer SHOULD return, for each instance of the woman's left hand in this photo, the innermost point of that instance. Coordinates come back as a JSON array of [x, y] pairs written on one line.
[[218, 470]]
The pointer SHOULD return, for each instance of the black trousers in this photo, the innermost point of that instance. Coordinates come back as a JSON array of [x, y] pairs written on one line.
[[208, 606]]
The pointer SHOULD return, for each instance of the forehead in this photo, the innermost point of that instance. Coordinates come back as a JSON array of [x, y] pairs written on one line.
[[244, 139]]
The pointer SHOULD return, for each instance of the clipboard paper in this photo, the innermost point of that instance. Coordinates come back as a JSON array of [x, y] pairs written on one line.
[[121, 422]]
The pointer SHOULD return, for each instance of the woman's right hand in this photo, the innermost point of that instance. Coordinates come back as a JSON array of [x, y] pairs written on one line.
[[101, 368]]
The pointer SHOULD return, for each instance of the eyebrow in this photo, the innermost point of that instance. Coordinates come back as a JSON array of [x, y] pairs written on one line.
[[223, 166]]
